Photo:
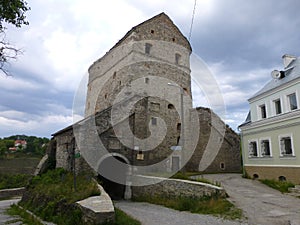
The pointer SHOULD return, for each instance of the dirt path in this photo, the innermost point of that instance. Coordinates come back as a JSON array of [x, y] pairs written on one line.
[[262, 205]]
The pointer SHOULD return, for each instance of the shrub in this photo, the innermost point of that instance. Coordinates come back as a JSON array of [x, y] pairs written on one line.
[[14, 180], [52, 196]]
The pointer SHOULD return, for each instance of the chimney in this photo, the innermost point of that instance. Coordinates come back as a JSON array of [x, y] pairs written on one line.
[[287, 59]]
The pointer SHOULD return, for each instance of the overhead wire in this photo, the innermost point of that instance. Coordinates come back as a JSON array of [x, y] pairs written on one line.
[[192, 22]]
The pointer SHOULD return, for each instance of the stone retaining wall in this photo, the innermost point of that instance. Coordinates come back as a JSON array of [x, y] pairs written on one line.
[[97, 209], [8, 193], [173, 188]]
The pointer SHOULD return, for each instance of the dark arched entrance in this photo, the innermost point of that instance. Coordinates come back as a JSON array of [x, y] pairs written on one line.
[[112, 175]]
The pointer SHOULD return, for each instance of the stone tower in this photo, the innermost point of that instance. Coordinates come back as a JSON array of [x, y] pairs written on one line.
[[155, 47], [153, 61]]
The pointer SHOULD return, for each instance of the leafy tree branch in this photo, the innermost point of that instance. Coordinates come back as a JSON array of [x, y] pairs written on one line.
[[11, 12]]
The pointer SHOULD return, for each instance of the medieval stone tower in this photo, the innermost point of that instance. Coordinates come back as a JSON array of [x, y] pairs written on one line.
[[139, 107], [151, 60]]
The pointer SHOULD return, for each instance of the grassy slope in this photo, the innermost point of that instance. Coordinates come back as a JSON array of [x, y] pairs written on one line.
[[22, 165]]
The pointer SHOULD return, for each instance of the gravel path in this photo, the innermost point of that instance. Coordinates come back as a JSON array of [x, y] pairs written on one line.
[[150, 214], [262, 205]]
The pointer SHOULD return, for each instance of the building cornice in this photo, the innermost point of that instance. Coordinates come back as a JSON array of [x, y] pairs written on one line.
[[274, 90], [265, 165], [273, 120]]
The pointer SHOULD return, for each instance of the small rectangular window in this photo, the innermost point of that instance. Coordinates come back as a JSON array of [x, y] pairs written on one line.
[[277, 105], [265, 148], [154, 121], [252, 148], [146, 80], [263, 111], [148, 48], [177, 58], [140, 155], [293, 101]]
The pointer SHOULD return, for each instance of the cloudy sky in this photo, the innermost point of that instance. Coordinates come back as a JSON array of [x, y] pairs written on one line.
[[240, 41]]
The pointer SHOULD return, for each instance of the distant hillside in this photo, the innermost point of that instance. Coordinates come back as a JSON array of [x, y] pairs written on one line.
[[20, 154], [30, 145]]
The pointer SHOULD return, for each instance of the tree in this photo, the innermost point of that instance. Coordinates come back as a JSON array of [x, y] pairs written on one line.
[[11, 12]]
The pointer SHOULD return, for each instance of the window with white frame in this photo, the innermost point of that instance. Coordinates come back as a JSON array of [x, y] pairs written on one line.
[[265, 147], [277, 106], [263, 111], [292, 100], [286, 145], [252, 149]]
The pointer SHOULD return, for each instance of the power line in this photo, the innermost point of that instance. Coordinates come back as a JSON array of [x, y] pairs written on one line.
[[192, 22]]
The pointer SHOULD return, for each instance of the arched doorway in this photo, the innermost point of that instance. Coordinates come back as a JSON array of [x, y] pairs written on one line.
[[113, 171]]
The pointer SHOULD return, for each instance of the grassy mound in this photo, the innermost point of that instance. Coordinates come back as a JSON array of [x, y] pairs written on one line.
[[52, 196]]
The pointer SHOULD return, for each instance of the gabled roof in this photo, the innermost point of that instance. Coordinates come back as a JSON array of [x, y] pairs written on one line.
[[247, 121], [97, 114], [291, 73]]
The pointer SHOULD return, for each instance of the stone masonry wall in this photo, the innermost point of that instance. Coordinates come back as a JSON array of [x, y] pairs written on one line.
[[264, 172], [173, 188], [221, 144]]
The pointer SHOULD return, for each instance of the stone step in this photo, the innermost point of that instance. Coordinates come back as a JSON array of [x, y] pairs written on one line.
[[295, 190]]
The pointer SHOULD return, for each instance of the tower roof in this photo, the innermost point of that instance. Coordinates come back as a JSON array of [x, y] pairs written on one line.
[[159, 27]]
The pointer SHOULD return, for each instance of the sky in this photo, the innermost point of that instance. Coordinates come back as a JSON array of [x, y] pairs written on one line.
[[241, 42]]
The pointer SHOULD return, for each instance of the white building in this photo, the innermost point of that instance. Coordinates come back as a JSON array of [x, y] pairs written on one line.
[[271, 133]]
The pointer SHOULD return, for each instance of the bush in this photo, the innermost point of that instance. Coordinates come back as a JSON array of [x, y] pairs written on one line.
[[14, 180], [52, 196]]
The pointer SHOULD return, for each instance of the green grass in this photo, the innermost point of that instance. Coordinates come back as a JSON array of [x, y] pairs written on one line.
[[52, 196], [123, 219], [282, 186], [213, 205], [14, 180], [59, 184], [26, 218]]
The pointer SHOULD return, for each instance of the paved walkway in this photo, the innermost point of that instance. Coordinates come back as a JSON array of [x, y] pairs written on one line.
[[262, 205], [150, 214], [4, 218]]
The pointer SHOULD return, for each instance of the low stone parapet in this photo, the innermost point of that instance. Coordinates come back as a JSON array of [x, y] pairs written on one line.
[[13, 192], [173, 188], [97, 209]]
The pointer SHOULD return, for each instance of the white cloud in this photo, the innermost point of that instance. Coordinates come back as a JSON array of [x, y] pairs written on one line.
[[13, 83], [65, 37], [39, 126]]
